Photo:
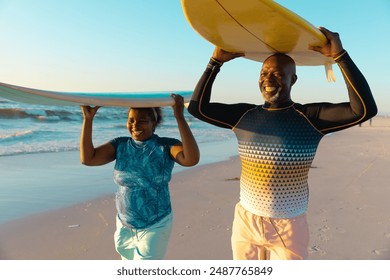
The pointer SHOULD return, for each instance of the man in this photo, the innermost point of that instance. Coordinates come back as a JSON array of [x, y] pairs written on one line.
[[277, 142]]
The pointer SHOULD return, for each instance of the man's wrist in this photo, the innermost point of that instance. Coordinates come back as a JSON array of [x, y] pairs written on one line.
[[216, 61], [339, 55], [214, 64]]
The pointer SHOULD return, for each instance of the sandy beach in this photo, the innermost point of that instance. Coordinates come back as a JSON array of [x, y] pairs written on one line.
[[348, 211]]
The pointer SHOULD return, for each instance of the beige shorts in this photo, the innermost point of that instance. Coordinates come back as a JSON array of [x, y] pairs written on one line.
[[257, 238]]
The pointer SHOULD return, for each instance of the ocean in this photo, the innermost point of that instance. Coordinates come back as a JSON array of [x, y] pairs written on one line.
[[50, 135], [26, 128]]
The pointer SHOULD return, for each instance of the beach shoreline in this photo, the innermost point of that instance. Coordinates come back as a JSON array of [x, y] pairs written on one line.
[[85, 224], [39, 182], [348, 201]]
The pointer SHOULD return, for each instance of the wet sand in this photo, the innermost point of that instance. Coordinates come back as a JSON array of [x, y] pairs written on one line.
[[348, 210]]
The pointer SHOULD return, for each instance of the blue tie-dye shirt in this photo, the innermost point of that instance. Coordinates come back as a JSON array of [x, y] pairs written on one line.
[[142, 173]]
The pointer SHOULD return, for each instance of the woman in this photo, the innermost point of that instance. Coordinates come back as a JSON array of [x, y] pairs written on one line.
[[143, 168]]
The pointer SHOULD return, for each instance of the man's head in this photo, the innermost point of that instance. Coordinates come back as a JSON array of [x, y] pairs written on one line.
[[277, 77]]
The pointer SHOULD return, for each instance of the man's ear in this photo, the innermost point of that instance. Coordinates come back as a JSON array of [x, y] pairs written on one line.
[[294, 78]]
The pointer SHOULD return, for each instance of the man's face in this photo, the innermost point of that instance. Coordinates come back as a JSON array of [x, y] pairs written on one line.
[[276, 78]]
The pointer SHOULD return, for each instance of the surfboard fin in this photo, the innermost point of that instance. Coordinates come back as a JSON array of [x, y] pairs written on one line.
[[329, 73]]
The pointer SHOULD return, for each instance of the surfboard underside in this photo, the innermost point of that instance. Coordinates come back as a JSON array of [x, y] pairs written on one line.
[[258, 28]]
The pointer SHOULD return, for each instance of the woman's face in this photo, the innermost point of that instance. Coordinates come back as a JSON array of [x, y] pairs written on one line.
[[140, 125]]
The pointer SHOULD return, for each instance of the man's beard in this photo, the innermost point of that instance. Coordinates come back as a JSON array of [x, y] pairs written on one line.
[[271, 98]]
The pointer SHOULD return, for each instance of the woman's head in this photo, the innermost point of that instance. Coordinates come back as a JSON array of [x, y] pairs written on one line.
[[142, 122]]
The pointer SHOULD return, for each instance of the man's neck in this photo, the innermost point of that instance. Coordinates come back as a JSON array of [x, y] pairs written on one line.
[[278, 105]]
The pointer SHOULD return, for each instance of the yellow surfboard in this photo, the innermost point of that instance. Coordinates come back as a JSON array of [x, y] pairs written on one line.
[[258, 28]]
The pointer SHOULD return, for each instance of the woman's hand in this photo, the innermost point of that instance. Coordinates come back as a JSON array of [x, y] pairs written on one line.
[[89, 112], [178, 107]]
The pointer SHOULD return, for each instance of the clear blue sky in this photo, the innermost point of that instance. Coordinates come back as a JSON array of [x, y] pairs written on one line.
[[141, 45]]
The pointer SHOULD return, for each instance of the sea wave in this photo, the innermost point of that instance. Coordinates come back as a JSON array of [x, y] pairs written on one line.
[[27, 149], [27, 128], [18, 134], [71, 114], [38, 114]]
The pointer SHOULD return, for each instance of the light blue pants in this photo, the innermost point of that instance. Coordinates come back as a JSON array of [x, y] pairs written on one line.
[[143, 244]]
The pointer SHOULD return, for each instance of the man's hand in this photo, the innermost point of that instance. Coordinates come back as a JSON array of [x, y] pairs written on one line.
[[332, 47], [224, 56]]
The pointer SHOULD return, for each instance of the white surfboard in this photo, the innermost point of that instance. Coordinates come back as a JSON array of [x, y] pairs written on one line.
[[122, 99]]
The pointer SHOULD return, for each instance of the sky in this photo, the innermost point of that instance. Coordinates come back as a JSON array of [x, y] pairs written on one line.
[[147, 45]]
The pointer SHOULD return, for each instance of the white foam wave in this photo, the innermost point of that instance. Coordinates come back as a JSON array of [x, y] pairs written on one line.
[[15, 134]]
